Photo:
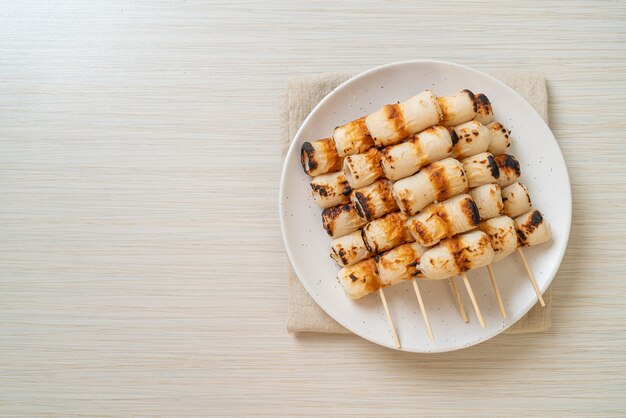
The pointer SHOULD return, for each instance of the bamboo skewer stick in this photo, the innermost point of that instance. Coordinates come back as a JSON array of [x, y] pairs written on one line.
[[532, 278], [457, 298], [423, 309], [392, 327], [471, 294], [496, 290]]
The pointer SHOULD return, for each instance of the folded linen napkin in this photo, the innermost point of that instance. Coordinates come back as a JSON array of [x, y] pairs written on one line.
[[303, 93]]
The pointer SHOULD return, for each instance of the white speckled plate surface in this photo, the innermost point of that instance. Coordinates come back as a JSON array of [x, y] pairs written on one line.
[[543, 171]]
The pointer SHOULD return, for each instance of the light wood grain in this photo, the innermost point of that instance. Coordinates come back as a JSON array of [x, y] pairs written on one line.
[[141, 266]]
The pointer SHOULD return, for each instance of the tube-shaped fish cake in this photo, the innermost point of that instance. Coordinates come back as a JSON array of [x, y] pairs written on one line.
[[501, 231], [360, 279], [373, 201], [387, 232], [399, 263], [481, 169], [352, 138], [430, 145], [516, 200], [330, 189], [349, 249], [499, 141], [469, 139], [395, 122], [435, 182], [532, 229], [484, 113], [488, 199], [341, 220], [456, 255], [444, 220], [509, 169], [362, 169], [458, 108], [320, 157]]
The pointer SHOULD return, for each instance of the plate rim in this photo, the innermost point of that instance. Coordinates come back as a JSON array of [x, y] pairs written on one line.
[[344, 85]]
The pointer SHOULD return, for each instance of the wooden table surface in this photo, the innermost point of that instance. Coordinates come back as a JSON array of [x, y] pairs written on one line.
[[142, 271]]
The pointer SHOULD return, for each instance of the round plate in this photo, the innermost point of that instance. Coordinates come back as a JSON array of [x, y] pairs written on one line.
[[543, 171]]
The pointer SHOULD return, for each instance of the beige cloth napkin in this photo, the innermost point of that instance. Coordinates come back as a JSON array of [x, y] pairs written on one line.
[[303, 93]]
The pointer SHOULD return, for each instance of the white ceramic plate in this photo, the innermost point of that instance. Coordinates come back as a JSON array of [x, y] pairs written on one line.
[[543, 171]]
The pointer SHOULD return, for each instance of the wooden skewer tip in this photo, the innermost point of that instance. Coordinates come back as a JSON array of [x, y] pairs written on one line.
[[473, 298], [492, 277], [423, 309], [457, 297], [392, 327], [531, 277]]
